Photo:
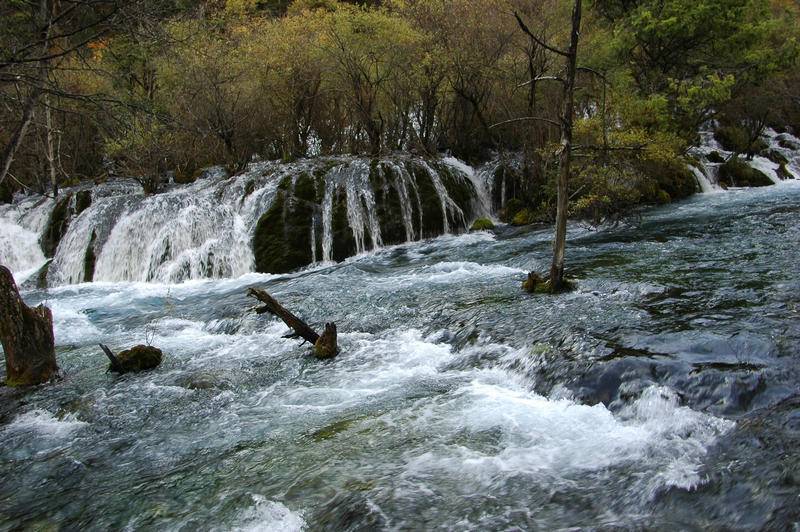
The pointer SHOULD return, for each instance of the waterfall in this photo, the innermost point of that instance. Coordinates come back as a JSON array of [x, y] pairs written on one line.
[[207, 229], [703, 182], [483, 201], [402, 180], [449, 208]]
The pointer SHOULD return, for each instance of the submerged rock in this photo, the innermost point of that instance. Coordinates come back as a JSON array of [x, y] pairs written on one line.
[[138, 358]]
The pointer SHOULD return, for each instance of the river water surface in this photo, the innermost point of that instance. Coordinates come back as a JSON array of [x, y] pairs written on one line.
[[662, 393]]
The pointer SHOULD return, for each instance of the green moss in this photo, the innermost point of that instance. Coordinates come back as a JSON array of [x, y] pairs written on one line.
[[783, 172], [512, 207], [672, 177], [523, 217], [482, 224], [715, 157], [737, 173], [304, 188]]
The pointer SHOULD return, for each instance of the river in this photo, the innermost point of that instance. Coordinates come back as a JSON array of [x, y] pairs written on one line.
[[662, 393]]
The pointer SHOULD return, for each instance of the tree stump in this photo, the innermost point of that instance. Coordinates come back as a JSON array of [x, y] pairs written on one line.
[[137, 358], [27, 337]]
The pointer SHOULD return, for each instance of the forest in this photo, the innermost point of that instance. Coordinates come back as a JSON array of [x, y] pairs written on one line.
[[159, 90]]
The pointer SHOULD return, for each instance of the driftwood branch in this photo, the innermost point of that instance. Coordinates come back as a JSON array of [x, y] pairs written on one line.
[[325, 345], [115, 364]]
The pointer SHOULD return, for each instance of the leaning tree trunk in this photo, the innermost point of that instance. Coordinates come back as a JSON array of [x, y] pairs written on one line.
[[27, 337], [560, 240]]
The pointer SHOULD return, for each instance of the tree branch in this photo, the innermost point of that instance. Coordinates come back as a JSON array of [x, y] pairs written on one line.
[[526, 118], [536, 39]]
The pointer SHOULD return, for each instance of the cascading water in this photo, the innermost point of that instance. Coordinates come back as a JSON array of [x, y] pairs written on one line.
[[205, 230], [709, 154]]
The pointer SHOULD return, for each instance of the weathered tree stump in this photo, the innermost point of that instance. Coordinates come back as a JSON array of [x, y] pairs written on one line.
[[137, 358], [325, 345], [27, 337]]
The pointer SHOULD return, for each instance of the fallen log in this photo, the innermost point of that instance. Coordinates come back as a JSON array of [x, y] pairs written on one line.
[[27, 337], [325, 345]]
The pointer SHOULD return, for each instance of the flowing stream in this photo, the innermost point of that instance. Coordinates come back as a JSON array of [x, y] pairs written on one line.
[[662, 393]]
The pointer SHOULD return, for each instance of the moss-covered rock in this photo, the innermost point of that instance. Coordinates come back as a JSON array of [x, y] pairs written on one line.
[[715, 157], [89, 260], [57, 225], [510, 210], [523, 217], [282, 238], [138, 358], [536, 284], [482, 224], [783, 172], [431, 205], [776, 157], [737, 173], [387, 204], [83, 200]]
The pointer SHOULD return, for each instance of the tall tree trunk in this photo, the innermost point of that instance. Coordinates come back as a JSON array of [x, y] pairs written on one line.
[[19, 133], [51, 157], [560, 240], [27, 337]]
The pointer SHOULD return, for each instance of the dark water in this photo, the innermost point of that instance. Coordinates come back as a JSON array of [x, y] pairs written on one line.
[[663, 393]]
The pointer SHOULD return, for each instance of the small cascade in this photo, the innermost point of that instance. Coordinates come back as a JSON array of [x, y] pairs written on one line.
[[21, 225], [706, 186], [782, 160], [19, 249], [360, 204], [483, 201], [449, 207], [402, 180], [327, 222]]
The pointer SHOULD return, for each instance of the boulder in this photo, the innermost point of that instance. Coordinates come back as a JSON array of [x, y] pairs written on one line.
[[737, 173]]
